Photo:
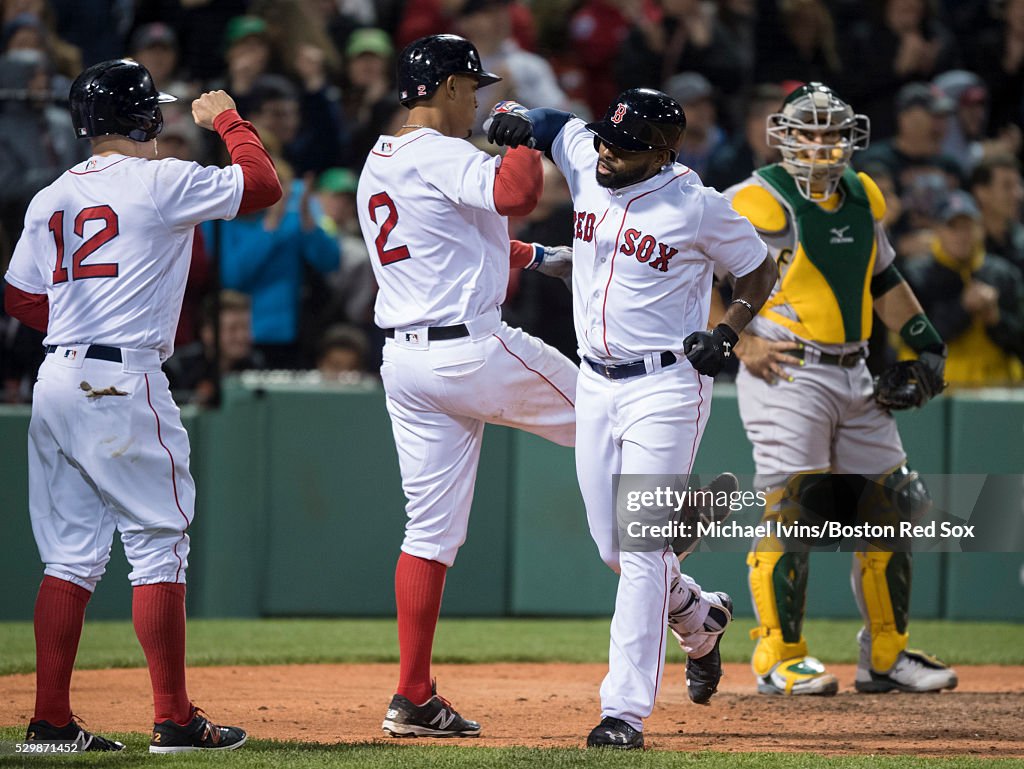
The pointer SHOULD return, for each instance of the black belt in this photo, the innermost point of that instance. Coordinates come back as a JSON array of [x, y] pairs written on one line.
[[846, 360], [631, 369], [437, 333], [96, 351]]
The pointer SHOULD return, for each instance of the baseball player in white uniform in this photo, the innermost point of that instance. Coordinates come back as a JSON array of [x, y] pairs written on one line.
[[433, 210], [647, 234], [101, 268]]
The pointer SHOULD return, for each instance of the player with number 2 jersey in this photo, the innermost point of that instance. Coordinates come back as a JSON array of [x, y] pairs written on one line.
[[433, 210]]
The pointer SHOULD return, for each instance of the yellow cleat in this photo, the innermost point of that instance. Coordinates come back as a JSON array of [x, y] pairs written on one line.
[[798, 675]]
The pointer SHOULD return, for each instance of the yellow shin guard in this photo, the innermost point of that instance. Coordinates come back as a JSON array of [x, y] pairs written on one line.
[[881, 582], [778, 583]]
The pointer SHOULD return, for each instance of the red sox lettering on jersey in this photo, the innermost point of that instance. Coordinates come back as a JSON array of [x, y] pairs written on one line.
[[643, 246], [659, 239], [634, 241]]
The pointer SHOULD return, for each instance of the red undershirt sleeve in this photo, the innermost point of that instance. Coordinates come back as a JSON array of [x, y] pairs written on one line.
[[262, 187], [31, 309], [518, 182], [520, 254]]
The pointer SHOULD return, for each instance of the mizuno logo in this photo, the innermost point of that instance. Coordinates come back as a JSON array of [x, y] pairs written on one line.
[[839, 235], [443, 720]]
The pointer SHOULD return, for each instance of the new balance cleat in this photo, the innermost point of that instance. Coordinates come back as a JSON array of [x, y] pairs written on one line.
[[798, 676], [197, 734], [44, 731], [434, 718], [704, 673], [615, 733]]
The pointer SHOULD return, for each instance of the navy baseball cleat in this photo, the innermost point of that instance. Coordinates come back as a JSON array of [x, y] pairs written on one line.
[[197, 734], [615, 733], [44, 731], [709, 511], [704, 673], [434, 718]]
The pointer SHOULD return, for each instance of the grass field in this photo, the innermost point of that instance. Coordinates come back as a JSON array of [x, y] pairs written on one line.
[[279, 642], [229, 642], [260, 754]]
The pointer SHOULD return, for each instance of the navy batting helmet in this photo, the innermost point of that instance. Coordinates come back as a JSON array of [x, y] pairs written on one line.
[[427, 62], [117, 97], [641, 120]]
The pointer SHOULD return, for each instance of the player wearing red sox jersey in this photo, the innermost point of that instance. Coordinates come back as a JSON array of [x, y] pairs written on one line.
[[433, 210], [647, 235], [101, 268]]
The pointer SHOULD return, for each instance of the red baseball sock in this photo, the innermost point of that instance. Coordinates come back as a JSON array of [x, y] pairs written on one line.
[[59, 614], [419, 584], [158, 613]]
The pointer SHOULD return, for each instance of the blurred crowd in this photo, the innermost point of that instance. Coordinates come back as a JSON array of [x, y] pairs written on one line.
[[942, 82]]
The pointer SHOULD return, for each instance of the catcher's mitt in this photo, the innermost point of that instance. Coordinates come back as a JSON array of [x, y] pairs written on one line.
[[910, 383]]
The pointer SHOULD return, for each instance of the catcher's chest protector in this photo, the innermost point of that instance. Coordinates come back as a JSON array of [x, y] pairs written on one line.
[[829, 279]]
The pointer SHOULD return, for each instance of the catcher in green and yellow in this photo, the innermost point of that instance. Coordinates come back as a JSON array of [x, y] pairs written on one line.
[[807, 401]]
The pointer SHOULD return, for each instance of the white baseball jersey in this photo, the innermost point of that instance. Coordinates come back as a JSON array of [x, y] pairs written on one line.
[[643, 255], [110, 243], [440, 253], [643, 259], [439, 248]]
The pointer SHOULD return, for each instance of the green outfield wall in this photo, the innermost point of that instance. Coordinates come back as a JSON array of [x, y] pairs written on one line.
[[300, 512]]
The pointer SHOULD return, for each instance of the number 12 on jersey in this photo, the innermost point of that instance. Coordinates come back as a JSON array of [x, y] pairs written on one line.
[[386, 255], [80, 271]]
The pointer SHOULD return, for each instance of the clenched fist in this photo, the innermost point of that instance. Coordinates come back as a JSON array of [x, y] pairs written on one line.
[[708, 351], [206, 108]]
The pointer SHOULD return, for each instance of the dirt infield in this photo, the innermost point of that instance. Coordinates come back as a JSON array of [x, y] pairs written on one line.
[[554, 705]]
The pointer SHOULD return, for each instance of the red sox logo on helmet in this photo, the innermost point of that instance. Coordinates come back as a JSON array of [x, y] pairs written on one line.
[[620, 112]]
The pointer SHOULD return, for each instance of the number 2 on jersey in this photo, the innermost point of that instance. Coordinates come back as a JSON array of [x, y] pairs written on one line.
[[79, 271], [387, 255]]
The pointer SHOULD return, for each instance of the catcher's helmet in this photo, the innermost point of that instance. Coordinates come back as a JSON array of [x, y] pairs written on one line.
[[427, 62], [641, 120], [817, 134], [117, 97]]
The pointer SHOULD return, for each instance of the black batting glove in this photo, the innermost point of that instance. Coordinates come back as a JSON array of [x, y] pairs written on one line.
[[509, 125], [708, 351]]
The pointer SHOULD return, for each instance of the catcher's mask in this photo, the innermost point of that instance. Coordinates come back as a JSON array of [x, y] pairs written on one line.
[[817, 134]]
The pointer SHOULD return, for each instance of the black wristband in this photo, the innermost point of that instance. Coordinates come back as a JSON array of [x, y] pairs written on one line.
[[731, 336]]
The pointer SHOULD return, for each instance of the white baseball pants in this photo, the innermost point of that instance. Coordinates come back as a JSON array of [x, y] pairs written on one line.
[[643, 425], [440, 394], [108, 462]]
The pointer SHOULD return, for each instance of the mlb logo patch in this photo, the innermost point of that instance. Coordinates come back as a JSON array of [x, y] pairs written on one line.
[[385, 146], [71, 354]]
